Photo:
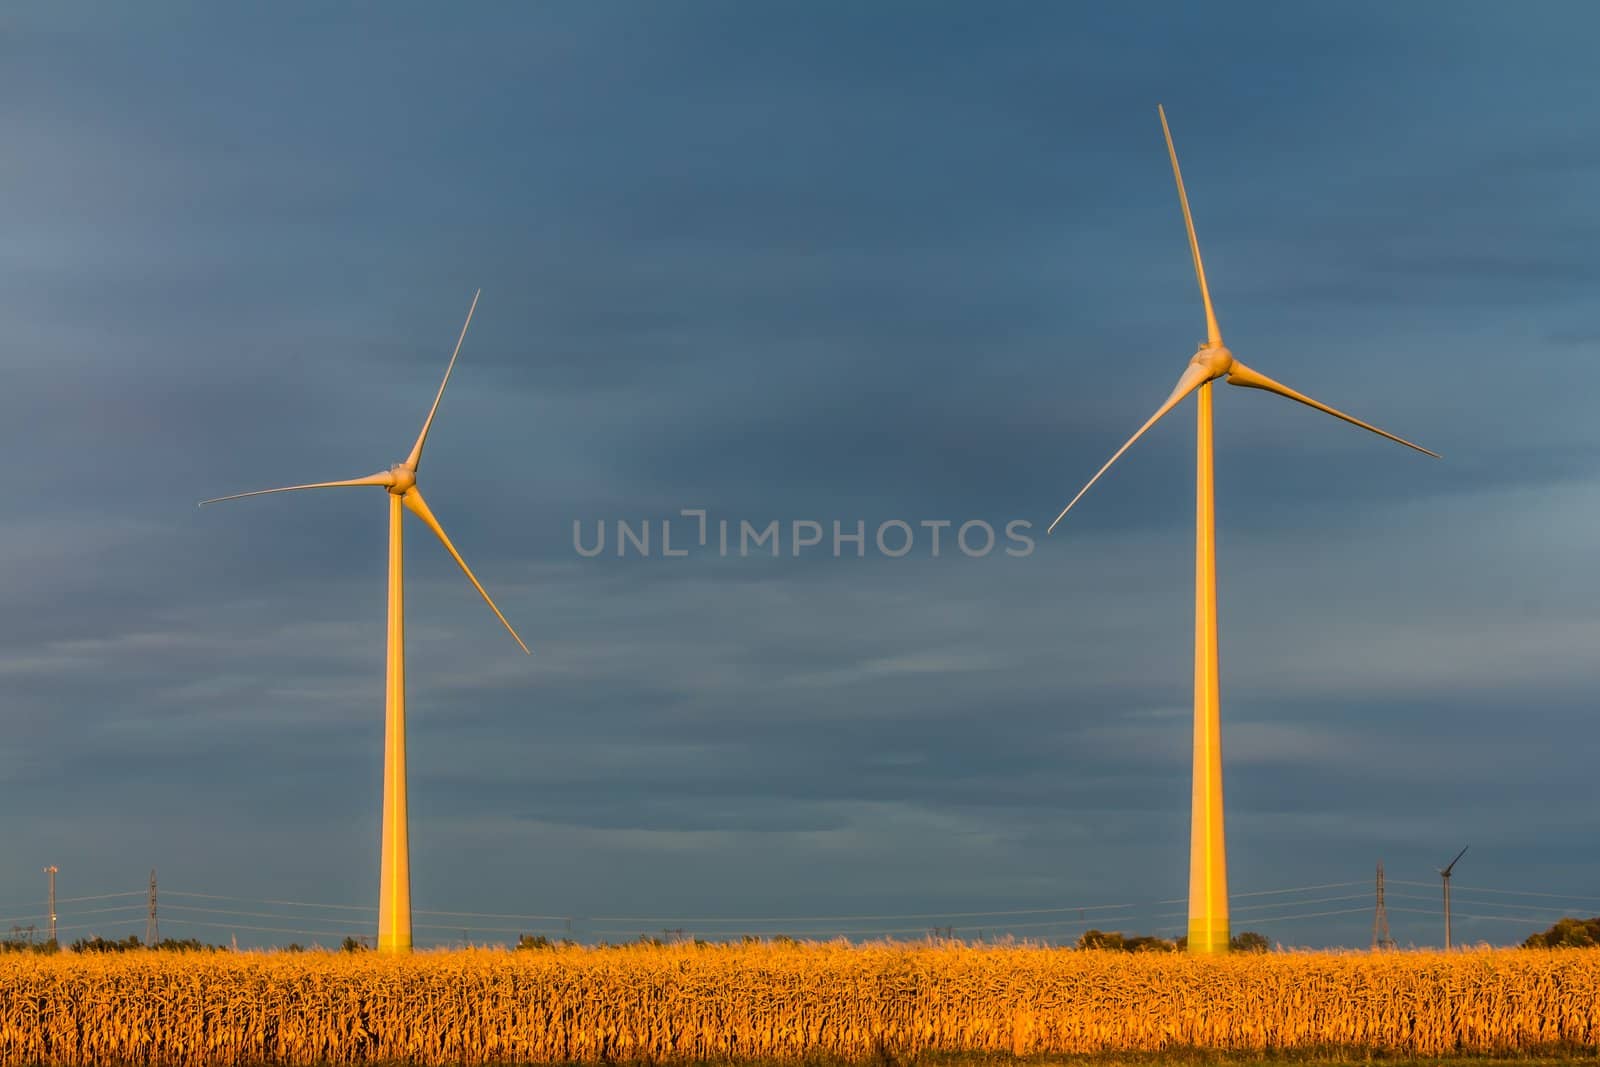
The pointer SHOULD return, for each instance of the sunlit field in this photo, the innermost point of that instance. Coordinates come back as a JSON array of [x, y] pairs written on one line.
[[769, 1002]]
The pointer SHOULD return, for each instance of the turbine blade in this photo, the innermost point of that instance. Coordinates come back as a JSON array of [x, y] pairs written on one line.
[[381, 478], [1239, 374], [1213, 331], [1452, 863], [422, 438], [1192, 379], [419, 507]]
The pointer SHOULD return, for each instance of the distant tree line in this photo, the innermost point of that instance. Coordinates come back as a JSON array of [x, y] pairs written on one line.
[[1116, 941], [1567, 933], [132, 943], [528, 942], [135, 943], [21, 944]]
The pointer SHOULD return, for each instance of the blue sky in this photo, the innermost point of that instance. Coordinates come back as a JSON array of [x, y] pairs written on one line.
[[797, 262]]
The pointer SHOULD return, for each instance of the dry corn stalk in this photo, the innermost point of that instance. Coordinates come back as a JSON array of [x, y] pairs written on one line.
[[779, 1002]]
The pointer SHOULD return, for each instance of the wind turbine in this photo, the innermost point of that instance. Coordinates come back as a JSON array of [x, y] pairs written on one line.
[[1208, 878], [1444, 876], [394, 881]]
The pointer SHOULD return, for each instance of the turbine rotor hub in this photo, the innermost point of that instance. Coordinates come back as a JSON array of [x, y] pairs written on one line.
[[403, 479], [1215, 359]]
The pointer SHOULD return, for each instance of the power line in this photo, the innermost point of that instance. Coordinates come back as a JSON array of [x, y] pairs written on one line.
[[1300, 903], [263, 929], [490, 915], [91, 927], [80, 900], [183, 909], [100, 896], [1271, 892], [1491, 918], [847, 918], [1285, 904], [1307, 915], [651, 920], [358, 907], [91, 911], [1128, 910], [261, 900], [727, 926], [952, 914], [1507, 892], [1550, 910], [833, 934]]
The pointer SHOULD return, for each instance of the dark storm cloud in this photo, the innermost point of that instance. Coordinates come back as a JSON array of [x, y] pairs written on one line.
[[821, 263]]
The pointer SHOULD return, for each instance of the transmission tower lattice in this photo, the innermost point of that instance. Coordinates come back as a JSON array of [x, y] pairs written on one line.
[[1380, 919], [51, 871], [152, 933]]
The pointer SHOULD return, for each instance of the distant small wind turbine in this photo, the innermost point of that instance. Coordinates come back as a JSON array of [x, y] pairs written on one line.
[[1444, 876], [1208, 880], [394, 881]]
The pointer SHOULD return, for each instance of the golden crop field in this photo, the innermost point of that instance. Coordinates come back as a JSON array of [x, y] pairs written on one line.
[[781, 1002]]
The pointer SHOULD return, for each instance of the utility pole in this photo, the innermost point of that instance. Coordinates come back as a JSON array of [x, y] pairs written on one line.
[[51, 871], [1444, 875], [152, 936], [1380, 919]]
